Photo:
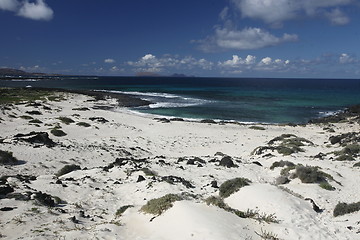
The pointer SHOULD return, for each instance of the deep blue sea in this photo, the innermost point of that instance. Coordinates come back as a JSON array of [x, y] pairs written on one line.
[[239, 99]]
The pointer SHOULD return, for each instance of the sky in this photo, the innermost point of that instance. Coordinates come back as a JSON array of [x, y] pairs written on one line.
[[204, 38]]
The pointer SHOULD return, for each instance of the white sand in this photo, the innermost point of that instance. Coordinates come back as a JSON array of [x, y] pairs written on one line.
[[101, 193]]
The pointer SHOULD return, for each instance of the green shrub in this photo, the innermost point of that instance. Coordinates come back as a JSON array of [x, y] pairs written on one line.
[[122, 209], [7, 158], [348, 153], [357, 164], [66, 120], [233, 185], [81, 109], [326, 186], [282, 164], [308, 174], [257, 128], [83, 124], [345, 157], [26, 117], [67, 169], [159, 205], [254, 214], [149, 172], [345, 208], [36, 121], [58, 132], [216, 201]]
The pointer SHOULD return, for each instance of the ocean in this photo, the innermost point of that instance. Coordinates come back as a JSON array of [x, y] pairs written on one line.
[[250, 100]]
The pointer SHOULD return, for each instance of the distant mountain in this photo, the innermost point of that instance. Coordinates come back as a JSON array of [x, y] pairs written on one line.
[[179, 75], [17, 72], [147, 74]]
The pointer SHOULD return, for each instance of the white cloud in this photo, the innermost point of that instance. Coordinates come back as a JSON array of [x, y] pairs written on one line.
[[276, 11], [148, 57], [266, 61], [9, 5], [337, 17], [151, 63], [249, 64], [345, 58], [248, 38], [109, 60], [237, 61], [38, 10]]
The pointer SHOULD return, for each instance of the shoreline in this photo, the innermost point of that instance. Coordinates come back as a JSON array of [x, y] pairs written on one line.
[[120, 161]]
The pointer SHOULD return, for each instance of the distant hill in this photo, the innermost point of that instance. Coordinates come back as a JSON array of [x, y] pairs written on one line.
[[180, 75], [10, 71], [19, 73]]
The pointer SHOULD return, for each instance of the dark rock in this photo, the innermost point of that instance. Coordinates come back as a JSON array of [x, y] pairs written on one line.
[[220, 154], [351, 137], [315, 207], [140, 179], [58, 181], [7, 209], [68, 169], [74, 220], [214, 184], [36, 138], [60, 210], [99, 119], [6, 189], [34, 112], [177, 119], [208, 121], [195, 160], [82, 214], [7, 158], [257, 163], [227, 162], [161, 161], [163, 120], [320, 155], [19, 196], [175, 179], [44, 199], [282, 180]]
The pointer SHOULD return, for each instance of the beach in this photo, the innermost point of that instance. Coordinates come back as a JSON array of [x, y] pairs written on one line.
[[87, 168]]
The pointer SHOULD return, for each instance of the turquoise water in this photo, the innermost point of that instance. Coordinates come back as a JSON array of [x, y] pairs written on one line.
[[245, 100]]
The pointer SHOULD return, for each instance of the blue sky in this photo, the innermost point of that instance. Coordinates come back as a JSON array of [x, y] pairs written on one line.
[[215, 38]]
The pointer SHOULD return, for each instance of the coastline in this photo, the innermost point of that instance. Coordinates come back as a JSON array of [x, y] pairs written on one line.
[[125, 159]]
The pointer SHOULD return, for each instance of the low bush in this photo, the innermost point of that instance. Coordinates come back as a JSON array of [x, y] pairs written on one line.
[[357, 164], [326, 186], [282, 164], [58, 132], [149, 172], [159, 205], [308, 174], [7, 158], [346, 208], [26, 117], [257, 128], [233, 185], [66, 120], [83, 124], [67, 169], [122, 209], [36, 121]]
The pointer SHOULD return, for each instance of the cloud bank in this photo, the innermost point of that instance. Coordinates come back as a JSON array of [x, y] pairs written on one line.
[[37, 10], [277, 11]]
